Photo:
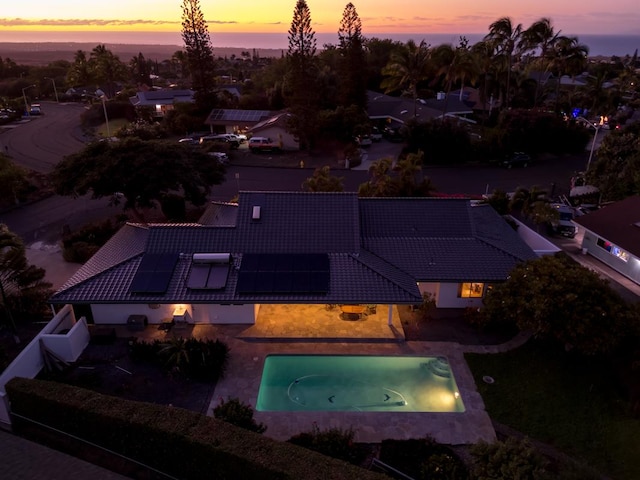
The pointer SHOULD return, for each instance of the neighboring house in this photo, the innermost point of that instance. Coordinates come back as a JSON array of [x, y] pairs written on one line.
[[612, 235], [235, 120], [396, 111], [161, 101], [276, 128], [297, 248]]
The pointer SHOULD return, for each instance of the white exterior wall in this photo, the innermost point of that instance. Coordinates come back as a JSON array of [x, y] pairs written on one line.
[[630, 269], [113, 314], [429, 287], [230, 314], [69, 346], [540, 245], [29, 361]]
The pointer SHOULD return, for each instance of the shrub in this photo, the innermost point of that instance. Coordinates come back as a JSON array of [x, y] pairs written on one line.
[[333, 442], [507, 460], [80, 246], [201, 360], [423, 458], [239, 414]]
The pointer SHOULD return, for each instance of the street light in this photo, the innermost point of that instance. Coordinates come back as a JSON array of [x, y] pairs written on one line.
[[55, 90], [26, 106], [595, 136], [102, 96]]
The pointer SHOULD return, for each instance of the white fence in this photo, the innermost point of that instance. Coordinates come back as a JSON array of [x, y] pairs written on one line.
[[63, 336]]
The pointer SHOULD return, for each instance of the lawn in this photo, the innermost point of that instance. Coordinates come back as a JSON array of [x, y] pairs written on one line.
[[569, 401], [114, 125]]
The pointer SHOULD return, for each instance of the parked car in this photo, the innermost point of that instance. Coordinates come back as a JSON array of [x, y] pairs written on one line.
[[220, 157], [516, 159], [376, 134], [220, 139], [263, 144], [188, 141], [35, 109], [364, 141]]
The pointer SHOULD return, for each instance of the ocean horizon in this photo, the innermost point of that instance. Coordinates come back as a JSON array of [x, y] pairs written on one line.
[[599, 45]]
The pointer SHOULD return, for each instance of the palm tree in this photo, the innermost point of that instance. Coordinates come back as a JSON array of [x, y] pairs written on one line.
[[567, 57], [540, 37], [455, 65], [528, 201], [407, 67], [505, 39]]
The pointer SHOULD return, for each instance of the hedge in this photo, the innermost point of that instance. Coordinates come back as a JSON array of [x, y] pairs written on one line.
[[179, 442]]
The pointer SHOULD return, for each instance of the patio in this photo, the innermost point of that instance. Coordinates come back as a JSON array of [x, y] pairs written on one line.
[[313, 329]]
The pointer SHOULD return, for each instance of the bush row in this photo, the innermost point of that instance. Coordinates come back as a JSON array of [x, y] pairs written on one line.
[[179, 442]]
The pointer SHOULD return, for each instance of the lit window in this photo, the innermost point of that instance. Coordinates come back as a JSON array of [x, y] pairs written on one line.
[[471, 290]]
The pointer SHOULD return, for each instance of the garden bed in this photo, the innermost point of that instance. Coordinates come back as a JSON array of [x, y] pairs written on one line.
[[108, 369]]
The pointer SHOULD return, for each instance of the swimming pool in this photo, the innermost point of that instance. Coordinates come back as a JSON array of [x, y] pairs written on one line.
[[358, 383]]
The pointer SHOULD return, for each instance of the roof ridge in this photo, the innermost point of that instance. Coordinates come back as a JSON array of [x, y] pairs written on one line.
[[357, 257]]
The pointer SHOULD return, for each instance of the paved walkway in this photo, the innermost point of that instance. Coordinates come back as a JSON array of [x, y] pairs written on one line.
[[23, 459]]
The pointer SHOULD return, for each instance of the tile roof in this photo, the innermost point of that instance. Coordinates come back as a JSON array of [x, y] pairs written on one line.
[[378, 248], [220, 214], [618, 223], [128, 242]]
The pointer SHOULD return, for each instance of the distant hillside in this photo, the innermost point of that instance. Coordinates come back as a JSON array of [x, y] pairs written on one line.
[[44, 53]]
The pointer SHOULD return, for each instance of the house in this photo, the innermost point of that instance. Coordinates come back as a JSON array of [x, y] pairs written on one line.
[[297, 248], [276, 128], [228, 120], [396, 111], [161, 101], [612, 235]]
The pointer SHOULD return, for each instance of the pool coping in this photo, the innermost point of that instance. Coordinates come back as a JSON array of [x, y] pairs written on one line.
[[244, 372]]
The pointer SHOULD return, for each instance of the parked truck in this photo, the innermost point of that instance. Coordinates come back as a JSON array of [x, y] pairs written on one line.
[[563, 225]]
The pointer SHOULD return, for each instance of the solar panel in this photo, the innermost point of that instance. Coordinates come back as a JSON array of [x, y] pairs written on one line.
[[227, 115], [282, 274], [198, 276], [217, 276], [154, 273]]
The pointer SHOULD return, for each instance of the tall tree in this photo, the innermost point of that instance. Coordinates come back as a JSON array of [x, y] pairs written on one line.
[[140, 70], [195, 35], [144, 172], [352, 69], [302, 74], [567, 57], [539, 39], [79, 74], [455, 65], [505, 38], [107, 69], [407, 67]]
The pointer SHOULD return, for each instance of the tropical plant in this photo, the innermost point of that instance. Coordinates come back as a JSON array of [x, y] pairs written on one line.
[[505, 38], [323, 181], [407, 68], [23, 290]]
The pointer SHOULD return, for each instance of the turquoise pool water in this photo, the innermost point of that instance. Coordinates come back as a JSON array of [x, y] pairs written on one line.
[[358, 383]]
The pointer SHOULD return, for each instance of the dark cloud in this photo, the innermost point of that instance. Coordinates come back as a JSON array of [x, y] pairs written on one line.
[[77, 22]]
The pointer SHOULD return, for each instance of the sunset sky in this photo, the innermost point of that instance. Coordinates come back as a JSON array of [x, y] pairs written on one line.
[[378, 16]]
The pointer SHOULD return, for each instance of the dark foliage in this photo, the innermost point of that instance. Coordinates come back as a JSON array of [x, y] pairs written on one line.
[[79, 246], [333, 442], [442, 142], [239, 414], [423, 459]]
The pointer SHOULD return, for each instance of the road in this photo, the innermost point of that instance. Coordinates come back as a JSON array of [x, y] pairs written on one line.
[[39, 143], [42, 142]]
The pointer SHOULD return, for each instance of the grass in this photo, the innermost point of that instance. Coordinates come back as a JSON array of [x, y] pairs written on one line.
[[568, 401], [114, 126]]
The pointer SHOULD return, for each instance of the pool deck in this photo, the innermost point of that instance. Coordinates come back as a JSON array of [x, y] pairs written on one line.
[[313, 330], [244, 372]]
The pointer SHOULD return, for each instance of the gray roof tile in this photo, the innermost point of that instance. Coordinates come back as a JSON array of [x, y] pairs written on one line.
[[378, 248]]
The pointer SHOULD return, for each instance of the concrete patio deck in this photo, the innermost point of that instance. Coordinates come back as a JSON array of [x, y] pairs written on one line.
[[313, 330]]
